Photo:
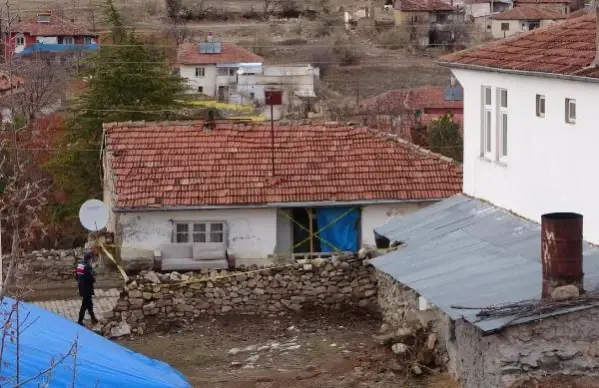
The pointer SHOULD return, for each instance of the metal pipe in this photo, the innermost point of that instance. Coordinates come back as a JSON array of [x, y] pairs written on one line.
[[561, 251]]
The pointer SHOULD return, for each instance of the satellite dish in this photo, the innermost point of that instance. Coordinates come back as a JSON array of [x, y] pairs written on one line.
[[240, 72], [93, 215]]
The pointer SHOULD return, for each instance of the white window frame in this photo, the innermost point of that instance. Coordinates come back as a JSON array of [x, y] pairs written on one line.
[[570, 110], [87, 40], [486, 149], [20, 37], [540, 105], [502, 125], [200, 72], [70, 38], [200, 232]]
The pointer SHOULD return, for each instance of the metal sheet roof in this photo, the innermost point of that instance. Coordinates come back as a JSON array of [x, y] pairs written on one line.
[[466, 252]]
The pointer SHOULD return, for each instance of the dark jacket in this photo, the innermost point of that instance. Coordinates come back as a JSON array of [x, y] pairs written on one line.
[[85, 279]]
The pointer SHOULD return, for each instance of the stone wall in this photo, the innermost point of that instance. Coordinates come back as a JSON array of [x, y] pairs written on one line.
[[47, 265], [336, 283]]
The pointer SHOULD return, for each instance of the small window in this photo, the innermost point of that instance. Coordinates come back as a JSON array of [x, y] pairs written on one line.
[[252, 95], [200, 72], [570, 110], [68, 40], [216, 233], [199, 233], [182, 233], [20, 40], [503, 124], [87, 40], [540, 105], [505, 26], [487, 115], [200, 89]]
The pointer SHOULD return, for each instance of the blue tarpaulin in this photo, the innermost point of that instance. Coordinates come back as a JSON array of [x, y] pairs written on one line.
[[99, 362], [56, 47], [338, 228]]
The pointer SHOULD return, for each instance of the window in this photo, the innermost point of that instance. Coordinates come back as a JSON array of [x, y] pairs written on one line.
[[20, 40], [182, 233], [570, 111], [252, 95], [232, 72], [87, 40], [200, 72], [68, 40], [200, 89], [505, 26], [540, 105], [502, 123], [487, 113], [199, 232]]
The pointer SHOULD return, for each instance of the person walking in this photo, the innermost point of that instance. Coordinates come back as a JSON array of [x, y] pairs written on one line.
[[86, 280]]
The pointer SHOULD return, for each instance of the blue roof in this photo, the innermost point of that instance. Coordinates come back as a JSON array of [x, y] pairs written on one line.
[[466, 252], [52, 47], [100, 362]]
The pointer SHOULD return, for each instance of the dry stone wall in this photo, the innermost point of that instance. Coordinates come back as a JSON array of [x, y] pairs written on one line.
[[336, 283], [47, 265]]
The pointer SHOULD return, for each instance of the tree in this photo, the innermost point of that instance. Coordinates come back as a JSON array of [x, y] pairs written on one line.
[[127, 81], [445, 138]]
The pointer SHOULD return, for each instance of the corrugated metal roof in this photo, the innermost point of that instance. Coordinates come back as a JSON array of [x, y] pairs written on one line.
[[465, 252]]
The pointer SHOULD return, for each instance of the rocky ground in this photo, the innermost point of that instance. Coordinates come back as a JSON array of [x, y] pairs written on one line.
[[313, 349]]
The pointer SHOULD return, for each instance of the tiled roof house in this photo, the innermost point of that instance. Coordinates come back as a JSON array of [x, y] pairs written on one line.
[[400, 111], [489, 277], [559, 6], [222, 176], [522, 19]]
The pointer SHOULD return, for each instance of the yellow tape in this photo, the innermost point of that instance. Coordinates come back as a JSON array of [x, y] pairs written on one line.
[[109, 255]]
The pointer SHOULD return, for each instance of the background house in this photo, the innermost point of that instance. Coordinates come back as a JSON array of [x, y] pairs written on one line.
[[430, 19], [196, 189], [481, 8], [400, 111], [48, 33], [560, 6], [522, 19], [234, 74]]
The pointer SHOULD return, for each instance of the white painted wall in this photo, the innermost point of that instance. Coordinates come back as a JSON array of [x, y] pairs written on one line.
[[251, 232], [516, 27], [551, 164], [478, 9], [374, 216], [208, 82]]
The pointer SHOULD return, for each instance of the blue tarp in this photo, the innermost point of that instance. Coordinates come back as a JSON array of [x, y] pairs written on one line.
[[55, 47], [99, 362], [338, 228]]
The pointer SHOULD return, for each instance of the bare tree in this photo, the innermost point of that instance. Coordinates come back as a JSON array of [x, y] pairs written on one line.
[[92, 17], [44, 83]]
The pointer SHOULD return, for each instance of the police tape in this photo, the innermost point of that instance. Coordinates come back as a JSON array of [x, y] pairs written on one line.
[[111, 258]]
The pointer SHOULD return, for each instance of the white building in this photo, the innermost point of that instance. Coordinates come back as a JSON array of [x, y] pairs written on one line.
[[530, 123], [484, 8], [522, 19], [197, 192], [231, 73]]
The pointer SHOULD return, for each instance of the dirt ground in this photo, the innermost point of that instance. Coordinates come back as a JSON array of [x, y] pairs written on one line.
[[313, 350]]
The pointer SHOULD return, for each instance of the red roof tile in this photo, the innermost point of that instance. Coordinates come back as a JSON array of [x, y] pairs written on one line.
[[431, 97], [56, 27], [518, 2], [566, 48], [423, 6], [528, 13], [184, 164], [189, 54]]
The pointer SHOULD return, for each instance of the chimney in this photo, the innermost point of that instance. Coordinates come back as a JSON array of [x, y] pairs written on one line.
[[561, 252], [209, 37]]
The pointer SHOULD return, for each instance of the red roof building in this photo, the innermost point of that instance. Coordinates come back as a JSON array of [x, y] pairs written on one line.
[[194, 189], [50, 30], [401, 111]]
